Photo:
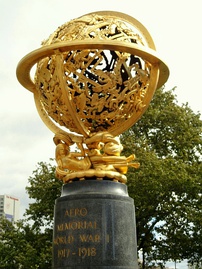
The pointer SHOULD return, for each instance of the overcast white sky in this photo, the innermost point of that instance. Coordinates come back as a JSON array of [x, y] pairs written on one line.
[[175, 26]]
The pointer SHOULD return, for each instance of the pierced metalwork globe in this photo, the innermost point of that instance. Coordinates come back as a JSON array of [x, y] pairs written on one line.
[[95, 73]]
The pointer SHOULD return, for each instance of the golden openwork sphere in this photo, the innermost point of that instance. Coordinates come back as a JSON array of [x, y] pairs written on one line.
[[95, 77], [95, 73]]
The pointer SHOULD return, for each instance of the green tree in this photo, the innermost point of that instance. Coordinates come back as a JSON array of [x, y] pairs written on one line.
[[15, 251], [167, 189], [28, 243], [44, 189]]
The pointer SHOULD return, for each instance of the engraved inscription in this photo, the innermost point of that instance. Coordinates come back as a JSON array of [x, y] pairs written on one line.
[[77, 225], [59, 240], [73, 212], [89, 238], [63, 253], [82, 252], [87, 252], [77, 236]]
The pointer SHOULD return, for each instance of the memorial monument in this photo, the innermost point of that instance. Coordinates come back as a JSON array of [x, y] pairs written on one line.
[[95, 77]]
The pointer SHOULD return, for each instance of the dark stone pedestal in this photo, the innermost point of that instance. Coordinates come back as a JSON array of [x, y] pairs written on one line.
[[94, 227]]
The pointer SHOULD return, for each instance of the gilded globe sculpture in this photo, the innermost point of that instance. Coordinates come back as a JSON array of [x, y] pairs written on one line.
[[95, 77]]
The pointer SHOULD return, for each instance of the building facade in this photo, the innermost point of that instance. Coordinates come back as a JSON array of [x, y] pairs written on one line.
[[9, 207]]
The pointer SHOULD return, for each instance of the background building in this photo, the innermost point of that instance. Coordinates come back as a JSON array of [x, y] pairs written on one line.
[[9, 207]]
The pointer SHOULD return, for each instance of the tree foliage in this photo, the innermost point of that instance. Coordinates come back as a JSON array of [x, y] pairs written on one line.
[[20, 247], [44, 188], [167, 188], [28, 243]]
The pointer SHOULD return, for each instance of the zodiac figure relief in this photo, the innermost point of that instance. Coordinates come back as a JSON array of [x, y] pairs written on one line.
[[98, 156]]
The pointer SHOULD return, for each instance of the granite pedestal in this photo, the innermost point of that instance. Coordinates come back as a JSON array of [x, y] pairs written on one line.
[[94, 227]]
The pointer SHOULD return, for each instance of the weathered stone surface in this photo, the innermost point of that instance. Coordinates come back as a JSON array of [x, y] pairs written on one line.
[[94, 227]]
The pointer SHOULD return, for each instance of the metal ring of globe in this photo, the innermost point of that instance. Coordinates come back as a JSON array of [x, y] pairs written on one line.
[[159, 72]]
